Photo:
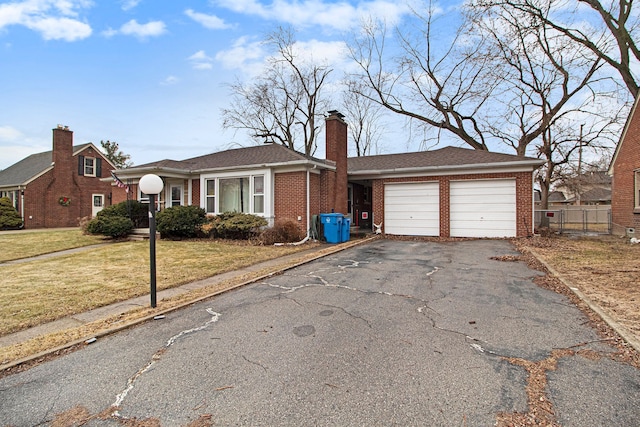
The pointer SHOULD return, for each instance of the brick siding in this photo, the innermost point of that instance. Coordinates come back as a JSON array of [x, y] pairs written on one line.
[[623, 212], [41, 197]]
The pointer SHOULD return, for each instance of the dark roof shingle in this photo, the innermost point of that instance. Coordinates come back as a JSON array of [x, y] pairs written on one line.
[[447, 156]]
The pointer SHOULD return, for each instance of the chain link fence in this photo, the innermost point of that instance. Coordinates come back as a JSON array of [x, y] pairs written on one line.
[[574, 219]]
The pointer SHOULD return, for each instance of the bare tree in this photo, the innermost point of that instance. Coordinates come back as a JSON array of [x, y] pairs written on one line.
[[285, 101], [548, 84], [611, 35], [364, 118], [439, 89]]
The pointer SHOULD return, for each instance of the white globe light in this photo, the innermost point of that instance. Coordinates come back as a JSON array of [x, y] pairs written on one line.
[[151, 184]]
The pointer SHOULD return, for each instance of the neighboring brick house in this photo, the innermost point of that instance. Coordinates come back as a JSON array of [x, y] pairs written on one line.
[[57, 188], [446, 192], [625, 172]]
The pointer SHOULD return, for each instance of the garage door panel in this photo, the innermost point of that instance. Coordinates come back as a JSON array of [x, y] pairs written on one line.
[[483, 208], [412, 209]]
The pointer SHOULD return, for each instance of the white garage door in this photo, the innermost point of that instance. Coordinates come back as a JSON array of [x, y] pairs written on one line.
[[483, 208], [412, 209]]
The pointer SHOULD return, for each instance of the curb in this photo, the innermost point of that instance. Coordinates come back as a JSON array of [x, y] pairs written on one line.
[[295, 263], [620, 330]]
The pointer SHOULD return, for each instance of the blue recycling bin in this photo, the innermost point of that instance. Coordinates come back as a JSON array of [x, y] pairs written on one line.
[[346, 229], [332, 226]]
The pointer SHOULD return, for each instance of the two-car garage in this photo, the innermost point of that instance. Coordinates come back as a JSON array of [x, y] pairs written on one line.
[[476, 208]]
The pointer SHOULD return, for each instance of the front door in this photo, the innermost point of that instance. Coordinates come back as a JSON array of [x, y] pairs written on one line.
[[98, 204]]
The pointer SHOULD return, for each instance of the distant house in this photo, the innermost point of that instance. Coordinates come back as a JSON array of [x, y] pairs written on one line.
[[589, 188], [447, 192], [625, 172], [56, 188]]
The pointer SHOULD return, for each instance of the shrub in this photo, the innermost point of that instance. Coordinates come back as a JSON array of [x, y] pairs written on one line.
[[9, 216], [180, 221], [235, 225], [283, 231], [112, 226], [132, 209]]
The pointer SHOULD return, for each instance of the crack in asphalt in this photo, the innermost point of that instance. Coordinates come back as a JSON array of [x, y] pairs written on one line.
[[155, 358]]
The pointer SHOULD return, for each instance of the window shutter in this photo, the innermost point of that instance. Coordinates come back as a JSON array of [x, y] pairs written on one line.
[[81, 165], [98, 168]]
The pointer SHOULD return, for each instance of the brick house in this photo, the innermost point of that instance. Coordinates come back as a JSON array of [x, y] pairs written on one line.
[[56, 188], [446, 192], [625, 172]]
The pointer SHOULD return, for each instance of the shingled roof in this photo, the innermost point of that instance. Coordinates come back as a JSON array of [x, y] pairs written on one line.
[[255, 156], [30, 167], [453, 157]]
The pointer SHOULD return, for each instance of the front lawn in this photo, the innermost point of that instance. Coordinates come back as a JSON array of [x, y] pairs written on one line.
[[41, 291], [25, 244]]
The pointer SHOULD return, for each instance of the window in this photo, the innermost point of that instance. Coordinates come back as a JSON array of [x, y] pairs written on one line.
[[636, 188], [89, 166], [234, 195], [245, 194], [258, 194], [176, 195], [210, 195]]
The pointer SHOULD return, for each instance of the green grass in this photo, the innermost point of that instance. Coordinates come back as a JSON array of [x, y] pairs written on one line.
[[39, 291], [25, 244]]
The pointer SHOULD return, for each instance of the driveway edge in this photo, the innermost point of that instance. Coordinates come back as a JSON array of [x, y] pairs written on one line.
[[621, 330]]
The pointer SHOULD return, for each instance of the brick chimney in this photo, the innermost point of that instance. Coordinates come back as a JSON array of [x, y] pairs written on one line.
[[62, 144], [336, 150]]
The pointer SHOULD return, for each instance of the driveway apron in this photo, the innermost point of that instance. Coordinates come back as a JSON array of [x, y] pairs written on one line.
[[388, 333]]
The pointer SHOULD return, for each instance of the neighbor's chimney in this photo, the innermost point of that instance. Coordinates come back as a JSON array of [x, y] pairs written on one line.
[[62, 144], [336, 150]]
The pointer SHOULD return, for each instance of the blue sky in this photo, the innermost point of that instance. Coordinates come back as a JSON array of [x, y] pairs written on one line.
[[148, 74]]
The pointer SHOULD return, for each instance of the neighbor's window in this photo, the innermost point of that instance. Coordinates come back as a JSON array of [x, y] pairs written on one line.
[[89, 166], [258, 194], [210, 195], [234, 195]]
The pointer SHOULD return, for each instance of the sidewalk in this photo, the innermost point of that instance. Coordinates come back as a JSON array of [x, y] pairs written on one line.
[[236, 278]]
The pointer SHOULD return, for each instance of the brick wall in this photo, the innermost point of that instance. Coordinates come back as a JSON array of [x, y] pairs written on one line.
[[623, 212], [290, 190], [41, 197], [524, 198]]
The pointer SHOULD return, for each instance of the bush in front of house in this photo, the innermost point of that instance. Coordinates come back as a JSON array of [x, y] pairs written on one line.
[[180, 221], [112, 226], [9, 216], [283, 231], [134, 210], [235, 225]]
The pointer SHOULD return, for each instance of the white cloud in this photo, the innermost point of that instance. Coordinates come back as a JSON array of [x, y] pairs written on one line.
[[242, 54], [200, 61], [9, 133], [211, 22], [170, 80], [129, 4], [53, 19], [150, 29], [336, 15]]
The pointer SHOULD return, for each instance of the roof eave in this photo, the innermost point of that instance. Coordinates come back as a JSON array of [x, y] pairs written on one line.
[[525, 164]]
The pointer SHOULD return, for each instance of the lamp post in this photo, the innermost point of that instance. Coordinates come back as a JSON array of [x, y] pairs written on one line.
[[151, 185]]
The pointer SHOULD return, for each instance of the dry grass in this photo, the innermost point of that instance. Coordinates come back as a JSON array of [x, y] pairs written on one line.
[[25, 244], [605, 268], [41, 291]]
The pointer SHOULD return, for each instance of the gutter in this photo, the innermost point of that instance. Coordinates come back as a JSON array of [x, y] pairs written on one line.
[[502, 165]]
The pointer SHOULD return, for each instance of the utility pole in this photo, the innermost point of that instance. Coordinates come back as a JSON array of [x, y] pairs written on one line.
[[578, 196]]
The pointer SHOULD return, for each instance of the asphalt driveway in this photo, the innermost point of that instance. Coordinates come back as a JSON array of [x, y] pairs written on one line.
[[387, 333]]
